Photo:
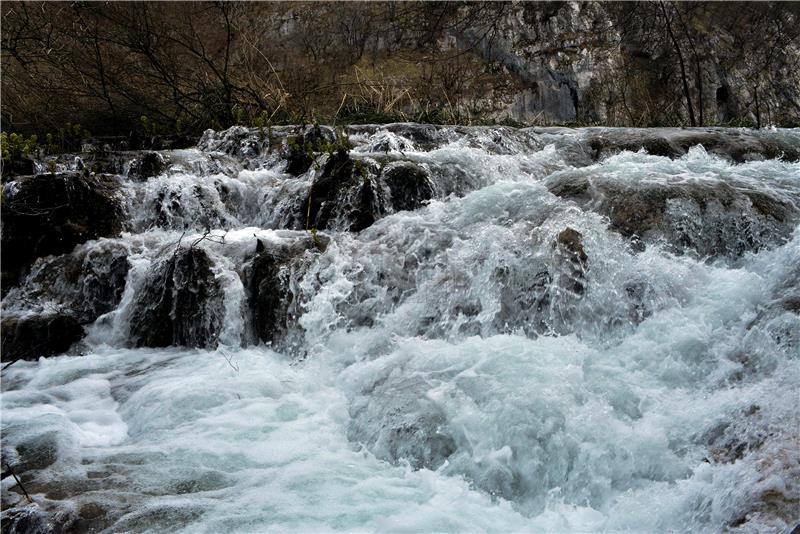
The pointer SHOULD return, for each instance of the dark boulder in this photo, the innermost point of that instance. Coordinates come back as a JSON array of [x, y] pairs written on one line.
[[51, 213], [271, 280], [32, 336], [302, 149], [146, 165], [180, 302], [409, 184], [345, 194]]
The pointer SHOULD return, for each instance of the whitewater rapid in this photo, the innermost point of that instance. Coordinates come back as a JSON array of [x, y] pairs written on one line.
[[446, 369]]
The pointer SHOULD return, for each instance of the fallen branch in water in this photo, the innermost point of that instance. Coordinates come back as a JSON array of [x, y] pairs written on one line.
[[16, 478]]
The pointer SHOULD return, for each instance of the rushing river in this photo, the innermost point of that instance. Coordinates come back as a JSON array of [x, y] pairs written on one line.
[[536, 336]]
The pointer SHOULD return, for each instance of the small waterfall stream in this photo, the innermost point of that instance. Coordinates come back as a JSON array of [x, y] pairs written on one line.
[[415, 328]]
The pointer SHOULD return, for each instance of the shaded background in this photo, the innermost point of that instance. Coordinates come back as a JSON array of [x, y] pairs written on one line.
[[152, 67]]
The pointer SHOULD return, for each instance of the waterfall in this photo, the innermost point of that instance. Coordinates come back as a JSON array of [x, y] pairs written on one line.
[[409, 327]]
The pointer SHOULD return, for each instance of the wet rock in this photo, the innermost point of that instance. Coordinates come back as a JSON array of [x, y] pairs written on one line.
[[345, 194], [732, 144], [271, 280], [605, 145], [396, 421], [51, 213], [712, 219], [305, 146], [17, 167], [33, 520], [409, 184], [179, 303], [754, 436], [85, 284], [424, 136], [147, 165], [244, 144], [774, 330], [298, 160], [33, 336]]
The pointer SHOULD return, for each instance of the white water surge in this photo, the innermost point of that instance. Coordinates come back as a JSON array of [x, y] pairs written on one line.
[[446, 369]]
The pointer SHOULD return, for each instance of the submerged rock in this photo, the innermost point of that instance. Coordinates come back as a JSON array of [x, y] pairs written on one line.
[[33, 336], [396, 421], [51, 213], [752, 437], [572, 260], [730, 143], [180, 302], [712, 219], [86, 283], [246, 145], [33, 520]]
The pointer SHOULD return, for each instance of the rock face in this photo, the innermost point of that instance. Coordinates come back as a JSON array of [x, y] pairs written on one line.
[[31, 337], [616, 64], [179, 303], [51, 213], [710, 219], [270, 280]]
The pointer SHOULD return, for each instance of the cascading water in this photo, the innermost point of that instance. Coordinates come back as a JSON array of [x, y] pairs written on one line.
[[424, 329]]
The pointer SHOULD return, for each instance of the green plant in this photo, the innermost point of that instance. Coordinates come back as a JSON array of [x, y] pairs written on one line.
[[261, 121], [361, 170], [148, 127], [51, 166], [238, 115], [15, 146], [342, 139], [315, 238], [311, 154]]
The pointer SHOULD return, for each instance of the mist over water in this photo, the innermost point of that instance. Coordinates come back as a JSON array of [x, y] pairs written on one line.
[[551, 341]]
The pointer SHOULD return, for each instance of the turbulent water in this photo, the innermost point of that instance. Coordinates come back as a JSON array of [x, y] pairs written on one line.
[[553, 339]]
